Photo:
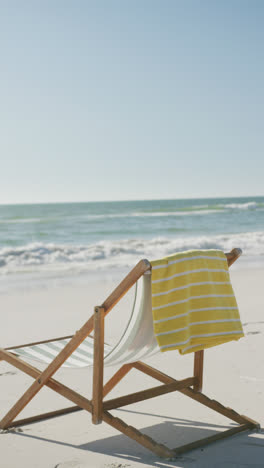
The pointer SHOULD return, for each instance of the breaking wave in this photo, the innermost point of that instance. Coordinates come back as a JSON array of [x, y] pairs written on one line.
[[113, 254]]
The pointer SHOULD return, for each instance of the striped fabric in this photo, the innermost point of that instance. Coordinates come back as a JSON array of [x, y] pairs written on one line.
[[193, 302], [46, 352]]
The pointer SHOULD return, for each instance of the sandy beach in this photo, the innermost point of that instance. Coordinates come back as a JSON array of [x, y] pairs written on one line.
[[233, 376], [132, 130]]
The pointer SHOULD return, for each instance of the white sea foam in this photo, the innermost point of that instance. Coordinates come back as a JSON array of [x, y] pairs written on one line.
[[20, 220], [242, 206], [190, 211], [37, 257], [194, 210], [178, 213]]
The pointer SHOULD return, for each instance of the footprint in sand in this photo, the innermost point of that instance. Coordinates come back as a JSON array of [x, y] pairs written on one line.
[[8, 373], [11, 429], [78, 464], [72, 464], [116, 465], [254, 328]]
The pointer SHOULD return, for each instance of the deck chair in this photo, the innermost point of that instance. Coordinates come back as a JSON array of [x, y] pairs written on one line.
[[137, 344]]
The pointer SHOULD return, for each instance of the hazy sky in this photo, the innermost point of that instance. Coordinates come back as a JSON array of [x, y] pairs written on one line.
[[131, 99]]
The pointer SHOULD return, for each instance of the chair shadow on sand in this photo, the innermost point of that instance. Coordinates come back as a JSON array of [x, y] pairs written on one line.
[[243, 450]]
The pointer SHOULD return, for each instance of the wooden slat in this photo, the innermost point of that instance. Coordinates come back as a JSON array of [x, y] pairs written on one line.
[[46, 416], [147, 394], [198, 370], [213, 438], [251, 421], [39, 342], [152, 372], [98, 365], [122, 372]]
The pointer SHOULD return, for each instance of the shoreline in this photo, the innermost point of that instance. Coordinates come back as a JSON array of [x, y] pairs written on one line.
[[49, 279]]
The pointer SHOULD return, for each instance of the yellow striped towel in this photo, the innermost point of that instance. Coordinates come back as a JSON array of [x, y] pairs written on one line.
[[193, 302]]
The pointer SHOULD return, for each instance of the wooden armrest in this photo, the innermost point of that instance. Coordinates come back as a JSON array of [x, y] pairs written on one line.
[[233, 256]]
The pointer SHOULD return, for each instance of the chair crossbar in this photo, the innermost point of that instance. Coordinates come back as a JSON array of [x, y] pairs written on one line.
[[45, 416], [147, 394], [39, 342]]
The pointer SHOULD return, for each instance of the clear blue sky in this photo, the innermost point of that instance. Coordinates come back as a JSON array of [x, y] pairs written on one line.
[[131, 99]]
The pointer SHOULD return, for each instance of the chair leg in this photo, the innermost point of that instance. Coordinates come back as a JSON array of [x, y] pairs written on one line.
[[142, 439], [198, 370], [98, 367]]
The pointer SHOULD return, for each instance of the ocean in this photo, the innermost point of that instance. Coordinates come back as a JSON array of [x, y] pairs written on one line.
[[69, 239]]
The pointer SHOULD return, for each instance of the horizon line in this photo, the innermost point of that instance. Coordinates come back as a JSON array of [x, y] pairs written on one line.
[[126, 200]]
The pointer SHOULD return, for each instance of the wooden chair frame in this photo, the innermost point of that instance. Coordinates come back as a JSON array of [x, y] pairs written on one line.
[[98, 407]]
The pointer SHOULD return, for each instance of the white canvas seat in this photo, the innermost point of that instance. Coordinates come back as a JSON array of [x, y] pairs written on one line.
[[137, 342]]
